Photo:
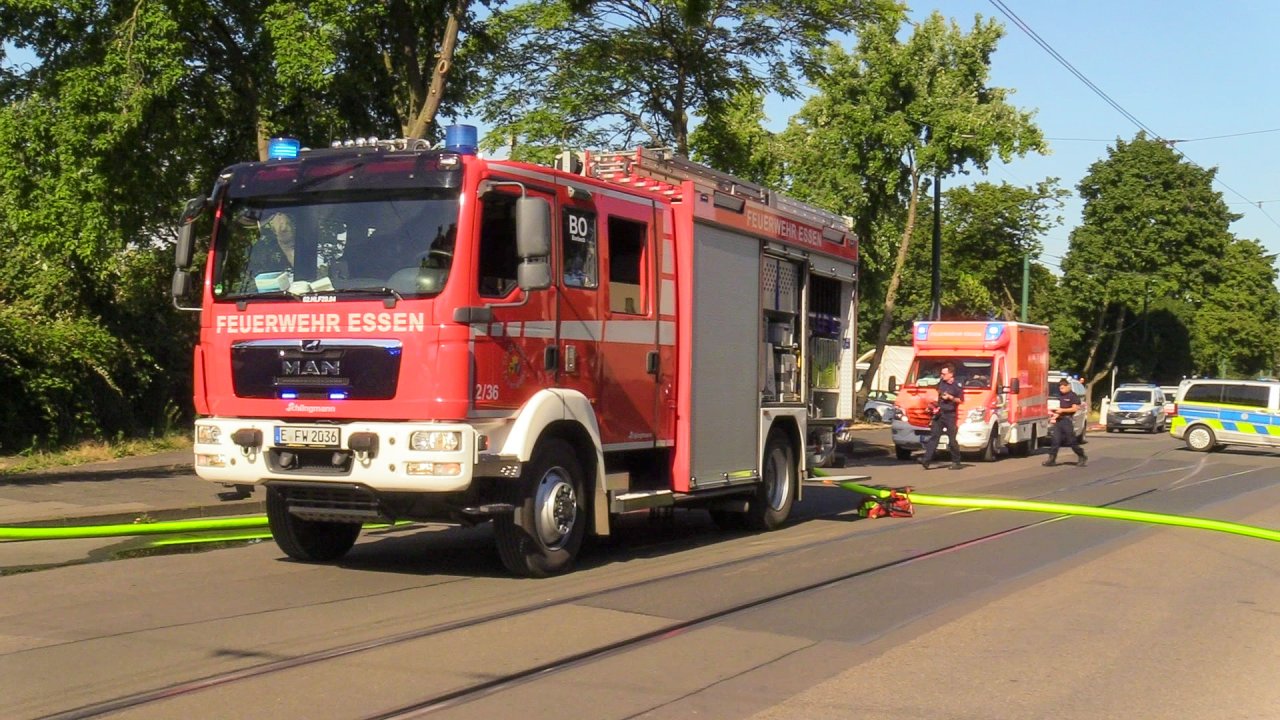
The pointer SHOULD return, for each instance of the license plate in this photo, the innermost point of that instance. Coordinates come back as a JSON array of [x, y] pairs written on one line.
[[1128, 422], [302, 436]]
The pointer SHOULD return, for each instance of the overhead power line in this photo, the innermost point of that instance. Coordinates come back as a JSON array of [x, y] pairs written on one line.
[[1172, 144]]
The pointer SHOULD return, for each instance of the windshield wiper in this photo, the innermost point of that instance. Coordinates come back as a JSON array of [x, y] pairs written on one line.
[[242, 300], [392, 295]]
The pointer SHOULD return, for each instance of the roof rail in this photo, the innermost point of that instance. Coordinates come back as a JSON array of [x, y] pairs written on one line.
[[662, 170]]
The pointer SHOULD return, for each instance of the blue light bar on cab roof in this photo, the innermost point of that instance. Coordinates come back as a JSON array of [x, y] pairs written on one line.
[[922, 331], [994, 331], [461, 139], [283, 148]]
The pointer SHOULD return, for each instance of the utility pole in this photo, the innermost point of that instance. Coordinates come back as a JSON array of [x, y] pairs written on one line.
[[935, 311], [1026, 281]]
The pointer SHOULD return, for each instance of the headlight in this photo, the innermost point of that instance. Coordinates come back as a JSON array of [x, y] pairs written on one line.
[[208, 434], [435, 440], [976, 415]]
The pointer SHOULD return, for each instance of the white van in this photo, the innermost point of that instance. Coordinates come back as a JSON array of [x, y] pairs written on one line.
[[1208, 414]]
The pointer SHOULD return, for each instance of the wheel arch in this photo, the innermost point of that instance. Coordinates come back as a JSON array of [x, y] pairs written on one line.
[[565, 414], [789, 425]]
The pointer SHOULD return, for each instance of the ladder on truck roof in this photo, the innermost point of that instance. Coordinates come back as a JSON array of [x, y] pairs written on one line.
[[661, 170]]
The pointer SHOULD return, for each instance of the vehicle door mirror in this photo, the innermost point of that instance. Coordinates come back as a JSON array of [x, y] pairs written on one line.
[[184, 285], [185, 248], [1013, 387], [534, 274], [533, 228]]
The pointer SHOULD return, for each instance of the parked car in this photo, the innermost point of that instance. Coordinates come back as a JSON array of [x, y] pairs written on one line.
[[1080, 420], [1137, 407], [879, 407]]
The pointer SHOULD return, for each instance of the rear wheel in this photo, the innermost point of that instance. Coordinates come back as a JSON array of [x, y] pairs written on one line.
[[871, 416], [307, 540], [1201, 439], [543, 535], [771, 504], [902, 452]]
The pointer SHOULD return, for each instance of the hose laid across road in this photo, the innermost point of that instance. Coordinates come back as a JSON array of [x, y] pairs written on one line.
[[131, 529], [983, 503]]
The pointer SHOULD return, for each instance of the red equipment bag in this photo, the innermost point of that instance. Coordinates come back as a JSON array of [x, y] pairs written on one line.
[[894, 503]]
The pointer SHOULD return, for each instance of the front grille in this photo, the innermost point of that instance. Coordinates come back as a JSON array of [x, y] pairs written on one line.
[[358, 369], [310, 461]]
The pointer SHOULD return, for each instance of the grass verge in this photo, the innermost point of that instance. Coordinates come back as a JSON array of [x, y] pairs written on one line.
[[91, 451]]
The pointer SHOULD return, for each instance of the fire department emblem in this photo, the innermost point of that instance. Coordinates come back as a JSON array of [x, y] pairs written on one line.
[[512, 371]]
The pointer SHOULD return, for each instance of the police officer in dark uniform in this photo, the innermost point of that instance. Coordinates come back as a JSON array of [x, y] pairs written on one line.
[[1063, 432], [949, 396]]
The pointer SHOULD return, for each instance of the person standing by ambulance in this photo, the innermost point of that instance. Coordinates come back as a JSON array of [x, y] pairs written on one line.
[[949, 396], [1063, 431]]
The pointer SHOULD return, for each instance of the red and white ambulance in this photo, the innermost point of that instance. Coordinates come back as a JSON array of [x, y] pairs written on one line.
[[390, 331], [1003, 368]]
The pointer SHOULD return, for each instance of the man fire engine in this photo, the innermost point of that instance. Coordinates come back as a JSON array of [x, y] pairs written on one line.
[[465, 339]]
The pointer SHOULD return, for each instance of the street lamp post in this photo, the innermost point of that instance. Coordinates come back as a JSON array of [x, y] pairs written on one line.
[[935, 309]]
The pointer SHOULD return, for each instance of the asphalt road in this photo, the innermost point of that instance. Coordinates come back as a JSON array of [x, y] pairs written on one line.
[[949, 614]]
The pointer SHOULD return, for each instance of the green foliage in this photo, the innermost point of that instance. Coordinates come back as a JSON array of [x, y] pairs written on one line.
[[1156, 235], [634, 71]]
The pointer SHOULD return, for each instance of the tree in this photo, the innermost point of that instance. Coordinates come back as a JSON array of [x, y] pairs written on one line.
[[988, 231], [1235, 329], [1153, 227], [888, 118], [637, 71]]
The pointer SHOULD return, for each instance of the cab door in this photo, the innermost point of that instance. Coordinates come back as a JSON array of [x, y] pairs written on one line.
[[629, 349], [580, 327]]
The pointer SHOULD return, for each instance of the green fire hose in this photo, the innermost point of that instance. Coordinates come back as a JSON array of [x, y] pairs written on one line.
[[1068, 509]]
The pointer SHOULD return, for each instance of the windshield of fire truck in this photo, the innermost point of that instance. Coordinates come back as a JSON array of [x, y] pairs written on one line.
[[969, 372], [347, 243]]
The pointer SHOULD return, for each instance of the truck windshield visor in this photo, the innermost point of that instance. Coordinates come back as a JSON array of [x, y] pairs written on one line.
[[969, 372], [359, 243]]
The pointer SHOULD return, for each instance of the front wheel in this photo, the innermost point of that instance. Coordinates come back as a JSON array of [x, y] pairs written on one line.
[[771, 504], [543, 535], [901, 452], [307, 540], [1201, 439], [993, 446]]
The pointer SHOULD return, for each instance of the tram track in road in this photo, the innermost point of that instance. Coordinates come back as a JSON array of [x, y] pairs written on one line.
[[464, 693]]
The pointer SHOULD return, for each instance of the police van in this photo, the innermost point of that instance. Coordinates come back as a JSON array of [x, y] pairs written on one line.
[[1208, 414], [1136, 406]]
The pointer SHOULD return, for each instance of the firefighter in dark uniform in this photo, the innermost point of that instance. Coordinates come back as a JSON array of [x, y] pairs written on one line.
[[1063, 431], [944, 419]]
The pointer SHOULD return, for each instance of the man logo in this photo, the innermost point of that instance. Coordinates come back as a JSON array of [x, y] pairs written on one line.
[[318, 368], [310, 346]]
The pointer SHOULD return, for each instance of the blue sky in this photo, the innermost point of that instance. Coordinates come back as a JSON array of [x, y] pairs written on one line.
[[1186, 70]]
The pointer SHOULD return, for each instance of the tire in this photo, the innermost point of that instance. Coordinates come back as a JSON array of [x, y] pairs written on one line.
[[1200, 438], [543, 535], [989, 452], [871, 416], [307, 540], [772, 502], [901, 452]]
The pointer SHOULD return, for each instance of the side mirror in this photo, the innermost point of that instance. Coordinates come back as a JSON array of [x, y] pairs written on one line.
[[534, 275], [183, 286], [533, 229], [185, 249], [1013, 387]]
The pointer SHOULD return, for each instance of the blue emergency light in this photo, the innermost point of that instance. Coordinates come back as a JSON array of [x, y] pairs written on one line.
[[922, 331], [283, 148], [461, 139], [994, 331]]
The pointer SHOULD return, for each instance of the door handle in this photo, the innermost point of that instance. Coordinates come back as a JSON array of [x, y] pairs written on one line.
[[651, 363], [550, 357]]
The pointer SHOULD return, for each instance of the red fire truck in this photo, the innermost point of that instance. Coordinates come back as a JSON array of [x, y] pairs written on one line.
[[391, 332]]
